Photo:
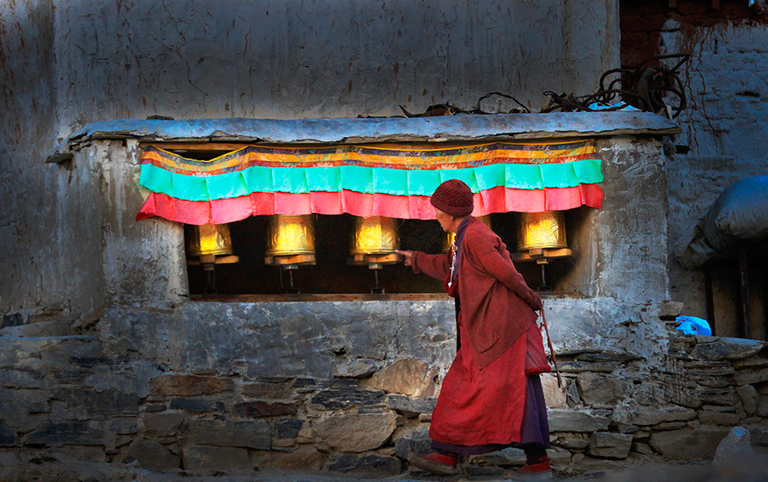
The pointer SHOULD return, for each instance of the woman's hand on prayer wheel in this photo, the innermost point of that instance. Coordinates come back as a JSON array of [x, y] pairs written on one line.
[[407, 256]]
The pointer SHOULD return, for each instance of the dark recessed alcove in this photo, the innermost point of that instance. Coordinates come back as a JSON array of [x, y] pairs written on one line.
[[332, 273]]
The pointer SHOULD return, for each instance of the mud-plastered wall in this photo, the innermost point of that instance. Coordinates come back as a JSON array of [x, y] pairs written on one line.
[[297, 59], [76, 62], [726, 128], [30, 209], [724, 125]]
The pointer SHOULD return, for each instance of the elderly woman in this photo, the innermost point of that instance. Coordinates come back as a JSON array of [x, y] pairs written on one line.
[[491, 397]]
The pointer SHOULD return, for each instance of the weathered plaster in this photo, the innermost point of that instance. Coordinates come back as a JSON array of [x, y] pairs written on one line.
[[725, 128], [289, 339], [87, 61], [144, 262], [283, 339], [422, 129], [30, 259], [632, 225], [301, 59]]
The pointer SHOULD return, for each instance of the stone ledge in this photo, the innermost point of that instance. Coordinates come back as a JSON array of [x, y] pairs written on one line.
[[356, 130]]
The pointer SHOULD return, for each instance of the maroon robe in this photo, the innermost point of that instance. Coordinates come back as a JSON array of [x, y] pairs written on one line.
[[483, 398]]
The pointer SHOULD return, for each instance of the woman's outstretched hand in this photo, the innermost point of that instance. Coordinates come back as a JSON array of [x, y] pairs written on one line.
[[407, 256]]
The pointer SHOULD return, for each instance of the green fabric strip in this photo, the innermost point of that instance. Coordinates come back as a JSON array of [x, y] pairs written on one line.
[[231, 184], [588, 171], [468, 176], [367, 180], [354, 178], [286, 179], [155, 179], [421, 182], [259, 179], [326, 179]]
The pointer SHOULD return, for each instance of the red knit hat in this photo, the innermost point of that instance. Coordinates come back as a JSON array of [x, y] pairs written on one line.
[[454, 198]]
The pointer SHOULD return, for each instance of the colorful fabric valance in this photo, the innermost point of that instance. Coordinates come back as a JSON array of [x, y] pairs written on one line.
[[374, 180]]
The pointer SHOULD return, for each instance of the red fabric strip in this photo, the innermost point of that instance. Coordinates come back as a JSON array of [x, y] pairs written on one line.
[[326, 202], [244, 207], [496, 200], [591, 195], [290, 203], [357, 203]]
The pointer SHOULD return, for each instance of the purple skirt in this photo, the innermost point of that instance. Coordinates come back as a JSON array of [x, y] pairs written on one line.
[[534, 431]]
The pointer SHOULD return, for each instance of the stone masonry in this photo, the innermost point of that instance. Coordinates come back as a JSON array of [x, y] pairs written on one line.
[[90, 398], [146, 376]]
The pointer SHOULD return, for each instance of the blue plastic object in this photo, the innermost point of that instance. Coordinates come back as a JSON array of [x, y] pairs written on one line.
[[691, 325], [620, 105]]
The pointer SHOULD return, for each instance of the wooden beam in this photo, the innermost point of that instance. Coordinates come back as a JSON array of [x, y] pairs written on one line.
[[708, 294], [745, 327], [286, 260], [198, 146], [765, 300], [213, 259], [313, 297], [538, 254]]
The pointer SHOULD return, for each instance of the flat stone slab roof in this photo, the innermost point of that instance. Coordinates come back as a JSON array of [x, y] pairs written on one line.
[[367, 130]]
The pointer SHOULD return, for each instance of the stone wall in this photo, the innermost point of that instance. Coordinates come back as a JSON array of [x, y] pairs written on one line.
[[351, 409], [622, 408], [120, 262], [725, 129], [724, 125], [143, 373]]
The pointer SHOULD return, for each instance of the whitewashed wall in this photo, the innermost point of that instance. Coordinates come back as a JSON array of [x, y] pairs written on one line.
[[726, 126], [84, 61], [31, 273], [304, 59]]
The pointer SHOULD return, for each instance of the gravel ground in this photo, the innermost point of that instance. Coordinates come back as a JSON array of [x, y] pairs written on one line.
[[752, 469]]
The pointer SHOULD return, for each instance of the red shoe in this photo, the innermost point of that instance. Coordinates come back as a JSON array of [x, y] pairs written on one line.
[[435, 463], [538, 471]]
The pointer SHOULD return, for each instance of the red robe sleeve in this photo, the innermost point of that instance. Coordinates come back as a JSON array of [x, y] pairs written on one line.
[[435, 265]]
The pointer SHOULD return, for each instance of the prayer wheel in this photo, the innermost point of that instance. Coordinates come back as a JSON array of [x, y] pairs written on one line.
[[542, 236], [449, 237], [375, 241], [545, 230], [207, 240], [209, 245], [291, 240]]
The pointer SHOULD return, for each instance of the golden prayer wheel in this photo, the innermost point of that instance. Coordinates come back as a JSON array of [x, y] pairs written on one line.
[[375, 241], [545, 230], [291, 240], [208, 240], [449, 237], [209, 245]]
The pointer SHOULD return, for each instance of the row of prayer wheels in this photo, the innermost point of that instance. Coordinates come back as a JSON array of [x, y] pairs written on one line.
[[292, 239]]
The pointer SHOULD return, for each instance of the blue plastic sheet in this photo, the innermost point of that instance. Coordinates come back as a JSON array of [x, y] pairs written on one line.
[[691, 325]]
